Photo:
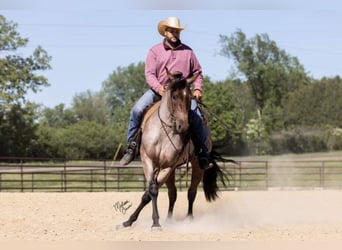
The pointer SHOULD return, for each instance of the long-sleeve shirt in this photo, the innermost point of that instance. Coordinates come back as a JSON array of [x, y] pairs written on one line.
[[181, 59]]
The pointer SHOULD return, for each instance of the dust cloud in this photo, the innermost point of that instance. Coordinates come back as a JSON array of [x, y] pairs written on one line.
[[254, 210], [236, 216]]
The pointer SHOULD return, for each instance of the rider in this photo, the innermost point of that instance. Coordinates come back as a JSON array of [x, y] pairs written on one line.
[[172, 54]]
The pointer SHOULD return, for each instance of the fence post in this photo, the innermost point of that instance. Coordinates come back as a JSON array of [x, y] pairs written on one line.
[[266, 181], [240, 174], [91, 180], [62, 181], [32, 182], [118, 178], [65, 177], [322, 173], [21, 176], [105, 176]]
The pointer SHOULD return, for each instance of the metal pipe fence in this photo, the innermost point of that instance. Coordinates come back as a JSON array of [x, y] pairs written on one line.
[[57, 175]]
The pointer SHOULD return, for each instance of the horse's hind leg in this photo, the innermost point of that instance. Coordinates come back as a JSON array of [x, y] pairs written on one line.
[[172, 193], [145, 199]]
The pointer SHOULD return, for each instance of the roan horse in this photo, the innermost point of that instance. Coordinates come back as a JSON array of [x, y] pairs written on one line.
[[165, 145]]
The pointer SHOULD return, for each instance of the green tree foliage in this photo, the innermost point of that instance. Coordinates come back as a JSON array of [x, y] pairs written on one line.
[[319, 104], [17, 130], [87, 140], [271, 75], [91, 106], [269, 71], [79, 132], [82, 140], [19, 74], [124, 86], [226, 114], [58, 117], [122, 89]]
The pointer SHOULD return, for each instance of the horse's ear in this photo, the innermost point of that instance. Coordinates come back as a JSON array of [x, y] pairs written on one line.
[[193, 78], [169, 75]]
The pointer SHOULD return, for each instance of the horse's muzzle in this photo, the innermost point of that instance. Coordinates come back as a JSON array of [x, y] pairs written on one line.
[[181, 127]]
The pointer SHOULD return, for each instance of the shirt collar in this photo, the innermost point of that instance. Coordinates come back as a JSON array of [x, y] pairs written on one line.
[[168, 47]]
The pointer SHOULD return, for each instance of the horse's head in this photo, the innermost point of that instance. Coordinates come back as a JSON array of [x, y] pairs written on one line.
[[179, 97]]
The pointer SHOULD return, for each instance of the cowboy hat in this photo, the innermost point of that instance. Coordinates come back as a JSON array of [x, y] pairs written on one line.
[[170, 22]]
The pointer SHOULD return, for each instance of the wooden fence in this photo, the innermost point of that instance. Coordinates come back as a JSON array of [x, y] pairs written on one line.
[[55, 175]]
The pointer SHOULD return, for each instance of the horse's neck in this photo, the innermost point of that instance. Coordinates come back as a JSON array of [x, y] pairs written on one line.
[[164, 112]]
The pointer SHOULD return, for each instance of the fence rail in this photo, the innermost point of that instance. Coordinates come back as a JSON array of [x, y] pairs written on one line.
[[56, 175]]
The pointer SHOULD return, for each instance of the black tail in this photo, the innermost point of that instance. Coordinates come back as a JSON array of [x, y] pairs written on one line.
[[210, 185]]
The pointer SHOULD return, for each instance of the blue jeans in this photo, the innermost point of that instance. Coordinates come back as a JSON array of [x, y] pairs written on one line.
[[198, 131], [135, 118]]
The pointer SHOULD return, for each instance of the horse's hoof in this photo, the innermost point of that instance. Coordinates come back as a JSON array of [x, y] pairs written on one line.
[[119, 227], [156, 228], [190, 217], [122, 226]]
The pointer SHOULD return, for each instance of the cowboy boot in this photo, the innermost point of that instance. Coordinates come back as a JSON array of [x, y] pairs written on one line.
[[203, 157], [201, 151], [129, 154]]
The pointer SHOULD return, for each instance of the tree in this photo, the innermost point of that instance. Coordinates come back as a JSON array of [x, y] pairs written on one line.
[[58, 117], [270, 72], [318, 104], [124, 86], [17, 130], [82, 140], [91, 106], [19, 74], [222, 116], [122, 89]]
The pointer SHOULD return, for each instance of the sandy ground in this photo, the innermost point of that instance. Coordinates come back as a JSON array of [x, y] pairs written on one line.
[[246, 217]]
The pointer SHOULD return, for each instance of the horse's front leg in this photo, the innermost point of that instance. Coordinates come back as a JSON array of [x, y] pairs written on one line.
[[153, 192], [196, 177], [145, 199]]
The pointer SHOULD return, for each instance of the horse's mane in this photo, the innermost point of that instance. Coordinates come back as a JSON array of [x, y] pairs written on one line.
[[176, 81]]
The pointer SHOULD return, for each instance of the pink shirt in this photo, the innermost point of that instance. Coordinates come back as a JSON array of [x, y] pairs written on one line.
[[181, 59]]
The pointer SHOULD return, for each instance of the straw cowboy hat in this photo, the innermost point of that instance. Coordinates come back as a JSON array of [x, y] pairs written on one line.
[[170, 22]]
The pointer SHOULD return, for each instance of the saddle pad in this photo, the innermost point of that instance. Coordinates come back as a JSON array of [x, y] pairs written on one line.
[[148, 113]]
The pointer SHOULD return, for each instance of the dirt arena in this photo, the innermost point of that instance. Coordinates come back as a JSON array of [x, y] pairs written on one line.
[[237, 217]]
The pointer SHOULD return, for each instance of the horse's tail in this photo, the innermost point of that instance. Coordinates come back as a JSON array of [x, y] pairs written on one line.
[[210, 185]]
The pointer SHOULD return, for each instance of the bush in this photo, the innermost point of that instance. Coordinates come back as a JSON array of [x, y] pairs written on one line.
[[298, 141], [334, 139]]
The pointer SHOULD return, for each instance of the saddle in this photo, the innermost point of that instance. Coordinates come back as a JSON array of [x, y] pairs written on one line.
[[148, 113]]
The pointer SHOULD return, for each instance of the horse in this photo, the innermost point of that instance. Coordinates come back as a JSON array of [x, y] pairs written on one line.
[[165, 145]]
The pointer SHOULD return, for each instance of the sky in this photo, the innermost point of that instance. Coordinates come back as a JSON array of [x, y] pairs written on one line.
[[89, 40]]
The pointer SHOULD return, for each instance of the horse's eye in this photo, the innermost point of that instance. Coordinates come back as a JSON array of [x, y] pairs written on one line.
[[174, 98]]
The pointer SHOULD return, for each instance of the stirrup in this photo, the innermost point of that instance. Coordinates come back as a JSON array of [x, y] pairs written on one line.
[[129, 154], [204, 160], [205, 164]]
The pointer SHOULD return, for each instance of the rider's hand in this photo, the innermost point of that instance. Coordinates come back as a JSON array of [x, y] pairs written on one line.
[[197, 94], [161, 90]]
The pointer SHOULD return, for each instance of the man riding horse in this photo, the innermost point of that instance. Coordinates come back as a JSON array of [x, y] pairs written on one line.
[[175, 56]]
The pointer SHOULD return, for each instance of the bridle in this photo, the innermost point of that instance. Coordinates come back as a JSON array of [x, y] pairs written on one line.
[[166, 125]]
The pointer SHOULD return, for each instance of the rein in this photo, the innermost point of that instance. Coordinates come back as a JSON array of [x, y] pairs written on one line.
[[216, 118], [165, 125]]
